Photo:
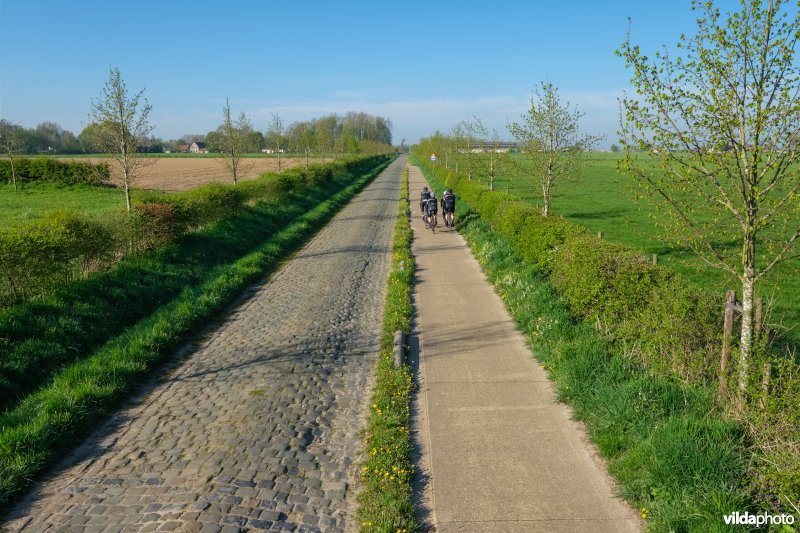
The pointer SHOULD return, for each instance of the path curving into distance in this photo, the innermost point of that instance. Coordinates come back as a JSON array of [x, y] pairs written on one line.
[[257, 426]]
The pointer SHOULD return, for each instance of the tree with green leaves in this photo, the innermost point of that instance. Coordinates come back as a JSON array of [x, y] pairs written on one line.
[[276, 137], [125, 119], [549, 135], [233, 140], [302, 138], [493, 159], [10, 145], [720, 121]]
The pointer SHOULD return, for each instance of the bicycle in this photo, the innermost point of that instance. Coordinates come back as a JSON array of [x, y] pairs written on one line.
[[431, 221], [448, 219]]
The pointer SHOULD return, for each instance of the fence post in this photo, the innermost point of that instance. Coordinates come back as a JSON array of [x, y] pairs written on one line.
[[759, 315], [600, 235], [655, 259], [765, 385], [730, 301]]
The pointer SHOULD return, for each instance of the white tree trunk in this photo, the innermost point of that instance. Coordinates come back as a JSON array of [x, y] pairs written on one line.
[[746, 341], [13, 173]]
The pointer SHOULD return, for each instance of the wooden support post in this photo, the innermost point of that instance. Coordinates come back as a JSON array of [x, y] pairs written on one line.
[[655, 259], [765, 385], [600, 235], [759, 316], [730, 302]]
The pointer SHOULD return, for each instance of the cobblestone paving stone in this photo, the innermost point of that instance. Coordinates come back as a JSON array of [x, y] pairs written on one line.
[[257, 428]]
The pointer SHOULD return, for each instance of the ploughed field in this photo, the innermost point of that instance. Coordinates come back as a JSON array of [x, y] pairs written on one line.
[[182, 173]]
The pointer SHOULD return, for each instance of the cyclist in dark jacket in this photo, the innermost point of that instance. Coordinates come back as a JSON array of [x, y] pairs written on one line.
[[423, 198], [449, 207], [431, 206]]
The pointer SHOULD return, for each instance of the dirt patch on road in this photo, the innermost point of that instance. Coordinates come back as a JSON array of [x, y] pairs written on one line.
[[182, 173]]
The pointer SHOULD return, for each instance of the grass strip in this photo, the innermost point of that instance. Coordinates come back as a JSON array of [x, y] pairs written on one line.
[[48, 422], [385, 503], [675, 457]]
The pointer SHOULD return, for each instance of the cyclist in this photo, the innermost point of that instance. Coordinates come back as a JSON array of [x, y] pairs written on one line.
[[431, 207], [449, 207], [423, 198]]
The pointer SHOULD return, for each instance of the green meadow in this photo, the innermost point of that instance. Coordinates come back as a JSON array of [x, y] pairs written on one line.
[[34, 199], [604, 200]]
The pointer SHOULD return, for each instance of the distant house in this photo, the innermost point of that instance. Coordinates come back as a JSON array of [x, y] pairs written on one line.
[[182, 148], [501, 147], [198, 147]]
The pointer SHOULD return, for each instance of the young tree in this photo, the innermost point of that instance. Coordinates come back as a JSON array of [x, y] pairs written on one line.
[[721, 122], [303, 138], [493, 159], [233, 140], [276, 137], [549, 136], [470, 135], [455, 145], [10, 145], [125, 120], [325, 130]]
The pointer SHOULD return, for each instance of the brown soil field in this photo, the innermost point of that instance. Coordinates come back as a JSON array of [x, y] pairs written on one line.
[[182, 173]]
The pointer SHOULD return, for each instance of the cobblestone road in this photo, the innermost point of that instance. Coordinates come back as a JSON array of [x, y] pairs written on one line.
[[258, 426]]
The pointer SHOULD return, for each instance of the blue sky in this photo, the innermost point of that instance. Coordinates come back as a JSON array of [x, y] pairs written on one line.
[[424, 65]]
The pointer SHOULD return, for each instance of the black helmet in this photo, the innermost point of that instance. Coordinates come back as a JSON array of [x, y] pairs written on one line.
[[424, 188], [449, 191]]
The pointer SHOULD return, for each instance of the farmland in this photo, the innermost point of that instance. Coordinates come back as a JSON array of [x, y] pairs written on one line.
[[603, 200], [183, 173], [177, 173]]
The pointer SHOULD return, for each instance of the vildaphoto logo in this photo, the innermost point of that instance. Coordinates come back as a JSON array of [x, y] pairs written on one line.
[[758, 520]]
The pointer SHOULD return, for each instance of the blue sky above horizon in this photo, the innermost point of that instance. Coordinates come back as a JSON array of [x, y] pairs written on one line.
[[425, 66]]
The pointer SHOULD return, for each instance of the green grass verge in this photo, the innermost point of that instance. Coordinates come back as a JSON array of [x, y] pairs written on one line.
[[385, 503], [49, 421], [675, 456]]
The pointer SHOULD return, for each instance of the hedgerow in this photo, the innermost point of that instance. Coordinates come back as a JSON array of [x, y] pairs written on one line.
[[54, 171]]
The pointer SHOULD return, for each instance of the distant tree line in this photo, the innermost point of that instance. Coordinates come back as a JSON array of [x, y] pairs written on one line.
[[46, 138], [354, 132]]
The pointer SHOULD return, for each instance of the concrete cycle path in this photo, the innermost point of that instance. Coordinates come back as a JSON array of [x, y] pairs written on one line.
[[257, 427], [499, 453]]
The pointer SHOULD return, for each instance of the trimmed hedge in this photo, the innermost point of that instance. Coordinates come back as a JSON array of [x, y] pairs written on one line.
[[49, 252], [55, 171]]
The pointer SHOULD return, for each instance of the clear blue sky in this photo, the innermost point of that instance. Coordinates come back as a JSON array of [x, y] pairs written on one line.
[[424, 65]]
